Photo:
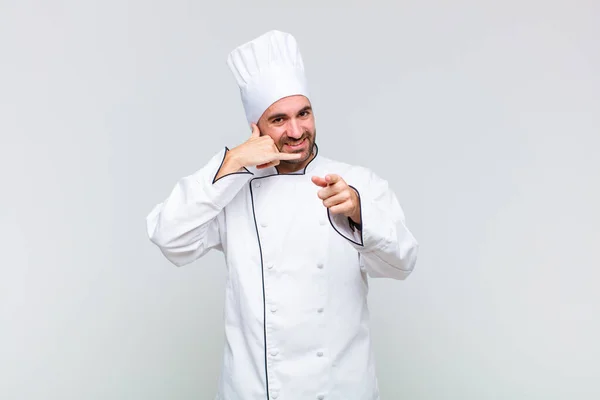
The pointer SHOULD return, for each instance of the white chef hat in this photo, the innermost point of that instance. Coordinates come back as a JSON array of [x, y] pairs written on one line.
[[267, 69]]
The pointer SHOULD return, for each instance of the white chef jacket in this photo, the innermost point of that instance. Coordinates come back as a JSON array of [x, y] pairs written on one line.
[[296, 315]]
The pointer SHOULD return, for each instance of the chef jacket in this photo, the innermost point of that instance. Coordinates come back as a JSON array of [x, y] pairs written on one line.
[[296, 315]]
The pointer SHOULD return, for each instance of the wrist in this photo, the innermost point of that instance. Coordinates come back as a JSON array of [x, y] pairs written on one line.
[[232, 161], [355, 218], [230, 165]]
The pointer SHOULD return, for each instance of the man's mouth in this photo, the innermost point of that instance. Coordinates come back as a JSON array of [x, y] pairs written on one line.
[[295, 145]]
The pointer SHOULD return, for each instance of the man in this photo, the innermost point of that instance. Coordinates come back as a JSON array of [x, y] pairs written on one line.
[[300, 234]]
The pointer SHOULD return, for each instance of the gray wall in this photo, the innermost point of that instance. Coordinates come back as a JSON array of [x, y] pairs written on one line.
[[484, 118]]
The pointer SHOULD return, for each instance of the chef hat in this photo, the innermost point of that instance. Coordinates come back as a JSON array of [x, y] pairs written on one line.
[[267, 69]]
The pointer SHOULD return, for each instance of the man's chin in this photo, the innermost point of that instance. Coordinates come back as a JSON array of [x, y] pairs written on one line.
[[305, 156], [306, 152]]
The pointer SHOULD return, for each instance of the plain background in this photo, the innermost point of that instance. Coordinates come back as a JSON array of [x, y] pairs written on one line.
[[484, 117]]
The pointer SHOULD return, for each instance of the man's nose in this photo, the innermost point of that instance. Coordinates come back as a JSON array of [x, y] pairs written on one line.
[[294, 129]]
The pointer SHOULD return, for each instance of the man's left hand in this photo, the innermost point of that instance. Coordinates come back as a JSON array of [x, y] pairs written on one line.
[[338, 197]]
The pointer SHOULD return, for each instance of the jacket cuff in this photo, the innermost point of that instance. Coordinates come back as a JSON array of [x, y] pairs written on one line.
[[221, 191], [348, 228], [344, 226]]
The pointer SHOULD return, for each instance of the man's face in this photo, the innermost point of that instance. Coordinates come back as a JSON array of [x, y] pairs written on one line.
[[291, 125]]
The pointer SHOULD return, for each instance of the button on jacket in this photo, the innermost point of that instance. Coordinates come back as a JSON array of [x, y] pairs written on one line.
[[296, 316]]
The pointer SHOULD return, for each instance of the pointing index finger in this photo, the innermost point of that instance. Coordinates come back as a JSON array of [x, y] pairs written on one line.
[[317, 180]]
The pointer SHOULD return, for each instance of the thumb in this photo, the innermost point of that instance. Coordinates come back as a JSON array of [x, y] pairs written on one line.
[[255, 131], [332, 179]]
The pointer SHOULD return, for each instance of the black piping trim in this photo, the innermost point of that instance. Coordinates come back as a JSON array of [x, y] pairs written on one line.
[[232, 173], [362, 242], [262, 269]]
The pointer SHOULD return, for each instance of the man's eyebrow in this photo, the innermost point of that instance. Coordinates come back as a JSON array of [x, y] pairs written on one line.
[[283, 115], [275, 116]]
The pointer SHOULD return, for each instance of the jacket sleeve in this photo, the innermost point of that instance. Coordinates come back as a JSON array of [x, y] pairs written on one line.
[[385, 245], [185, 226]]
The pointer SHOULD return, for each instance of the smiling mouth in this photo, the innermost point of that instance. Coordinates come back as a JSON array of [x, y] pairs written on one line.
[[296, 145]]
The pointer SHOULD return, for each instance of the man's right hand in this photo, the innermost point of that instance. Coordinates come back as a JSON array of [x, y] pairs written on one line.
[[259, 151]]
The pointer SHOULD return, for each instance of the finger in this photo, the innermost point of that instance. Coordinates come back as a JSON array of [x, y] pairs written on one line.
[[255, 131], [343, 208], [332, 179], [328, 191], [336, 199], [267, 165], [289, 156], [319, 181]]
